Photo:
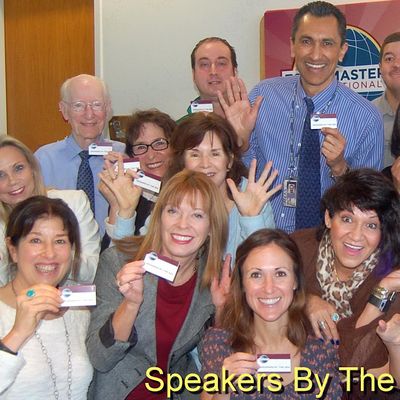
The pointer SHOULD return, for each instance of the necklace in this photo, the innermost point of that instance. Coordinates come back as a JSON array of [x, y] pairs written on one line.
[[50, 363]]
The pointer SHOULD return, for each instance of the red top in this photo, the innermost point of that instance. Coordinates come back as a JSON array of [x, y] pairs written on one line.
[[172, 306]]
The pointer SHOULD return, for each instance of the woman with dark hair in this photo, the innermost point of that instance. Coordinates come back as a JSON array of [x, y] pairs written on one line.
[[264, 315], [143, 321], [393, 171], [42, 346], [148, 136], [207, 143], [351, 267]]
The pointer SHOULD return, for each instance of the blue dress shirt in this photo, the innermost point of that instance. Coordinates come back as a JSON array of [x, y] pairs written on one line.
[[60, 162], [358, 121]]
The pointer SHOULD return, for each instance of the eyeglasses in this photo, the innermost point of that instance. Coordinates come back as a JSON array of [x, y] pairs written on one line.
[[157, 145], [81, 106]]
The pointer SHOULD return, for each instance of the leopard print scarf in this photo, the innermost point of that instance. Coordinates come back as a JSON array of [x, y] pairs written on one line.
[[336, 292]]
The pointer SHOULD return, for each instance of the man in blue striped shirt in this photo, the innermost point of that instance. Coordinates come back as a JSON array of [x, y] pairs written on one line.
[[317, 44]]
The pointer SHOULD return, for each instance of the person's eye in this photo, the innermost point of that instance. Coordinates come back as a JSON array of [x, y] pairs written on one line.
[[281, 273], [19, 167], [222, 63], [305, 41], [373, 226], [204, 64], [160, 143], [61, 241], [388, 59], [216, 153], [327, 43], [172, 210], [193, 154], [198, 215], [2, 174], [346, 219], [35, 240], [255, 275]]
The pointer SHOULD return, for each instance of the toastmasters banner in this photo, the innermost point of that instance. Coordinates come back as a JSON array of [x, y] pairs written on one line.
[[367, 26]]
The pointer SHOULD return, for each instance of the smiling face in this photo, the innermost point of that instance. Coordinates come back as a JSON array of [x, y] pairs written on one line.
[[44, 255], [213, 65], [184, 229], [355, 235], [390, 67], [209, 158], [153, 161], [88, 125], [317, 49], [269, 282], [16, 176]]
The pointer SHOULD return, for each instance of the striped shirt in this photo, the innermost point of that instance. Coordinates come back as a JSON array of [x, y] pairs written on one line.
[[358, 121]]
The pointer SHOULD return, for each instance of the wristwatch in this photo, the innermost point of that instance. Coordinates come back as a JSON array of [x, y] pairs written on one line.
[[382, 298]]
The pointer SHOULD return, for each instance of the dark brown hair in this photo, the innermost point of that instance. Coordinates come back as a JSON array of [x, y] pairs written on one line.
[[27, 212], [238, 317], [139, 118], [214, 39], [190, 133]]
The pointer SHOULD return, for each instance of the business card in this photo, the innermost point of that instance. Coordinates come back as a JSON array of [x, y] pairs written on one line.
[[201, 106], [148, 181], [274, 363], [319, 121], [161, 266], [78, 295], [100, 148]]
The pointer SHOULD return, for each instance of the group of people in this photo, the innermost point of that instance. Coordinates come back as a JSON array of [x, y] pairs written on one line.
[[248, 300]]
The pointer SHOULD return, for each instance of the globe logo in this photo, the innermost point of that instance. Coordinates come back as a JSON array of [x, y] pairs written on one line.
[[360, 67]]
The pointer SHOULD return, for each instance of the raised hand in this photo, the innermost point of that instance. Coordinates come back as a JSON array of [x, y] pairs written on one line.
[[251, 201], [238, 109], [120, 184], [220, 288], [333, 148]]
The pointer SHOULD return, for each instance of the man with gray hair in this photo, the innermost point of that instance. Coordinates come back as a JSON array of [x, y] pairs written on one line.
[[74, 163]]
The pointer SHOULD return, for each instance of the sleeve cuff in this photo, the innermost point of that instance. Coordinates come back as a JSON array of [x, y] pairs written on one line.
[[106, 334]]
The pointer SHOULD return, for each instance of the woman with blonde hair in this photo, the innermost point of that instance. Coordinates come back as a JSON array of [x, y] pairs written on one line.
[[20, 178], [143, 321]]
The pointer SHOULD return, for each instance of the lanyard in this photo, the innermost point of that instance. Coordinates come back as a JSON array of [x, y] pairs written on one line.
[[293, 157]]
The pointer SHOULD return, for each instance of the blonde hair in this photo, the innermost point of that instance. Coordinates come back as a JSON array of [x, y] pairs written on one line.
[[191, 184], [39, 188]]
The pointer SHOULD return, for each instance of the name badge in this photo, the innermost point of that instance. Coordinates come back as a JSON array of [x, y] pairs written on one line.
[[129, 163], [289, 192], [274, 363], [319, 121], [201, 106], [78, 295], [161, 266], [100, 148], [148, 181]]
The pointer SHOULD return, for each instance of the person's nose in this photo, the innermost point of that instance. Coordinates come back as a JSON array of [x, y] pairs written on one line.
[[356, 232], [268, 283], [205, 161], [48, 250], [183, 221], [316, 51]]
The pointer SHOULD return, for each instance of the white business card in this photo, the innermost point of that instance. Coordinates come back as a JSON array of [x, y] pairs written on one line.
[[100, 148], [148, 181], [161, 266], [201, 106], [274, 363], [319, 121], [78, 295]]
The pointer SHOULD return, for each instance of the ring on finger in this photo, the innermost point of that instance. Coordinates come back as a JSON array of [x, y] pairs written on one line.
[[31, 293], [335, 317], [322, 324]]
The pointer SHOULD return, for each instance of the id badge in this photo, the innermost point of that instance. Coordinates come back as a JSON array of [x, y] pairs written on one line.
[[289, 192]]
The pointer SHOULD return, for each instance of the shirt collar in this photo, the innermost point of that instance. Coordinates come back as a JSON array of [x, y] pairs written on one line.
[[321, 98], [385, 106]]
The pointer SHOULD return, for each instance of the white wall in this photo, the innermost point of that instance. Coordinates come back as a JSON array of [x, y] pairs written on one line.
[[146, 46]]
